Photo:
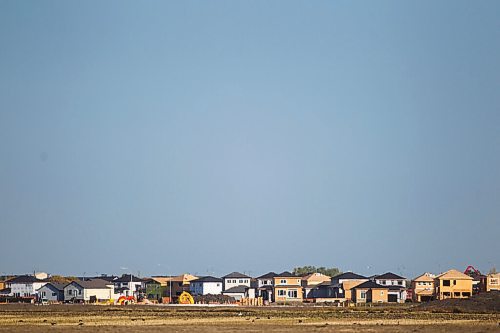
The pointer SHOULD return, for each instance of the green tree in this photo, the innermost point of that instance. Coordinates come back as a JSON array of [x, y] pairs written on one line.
[[304, 270]]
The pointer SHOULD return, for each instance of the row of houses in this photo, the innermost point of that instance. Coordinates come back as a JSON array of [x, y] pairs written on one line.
[[285, 287]]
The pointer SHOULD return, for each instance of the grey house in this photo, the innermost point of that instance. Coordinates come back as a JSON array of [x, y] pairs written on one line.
[[52, 292]]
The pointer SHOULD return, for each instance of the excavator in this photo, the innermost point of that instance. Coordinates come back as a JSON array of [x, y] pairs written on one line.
[[479, 282], [185, 298]]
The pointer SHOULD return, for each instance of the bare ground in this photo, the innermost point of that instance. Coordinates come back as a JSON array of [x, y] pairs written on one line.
[[86, 318]]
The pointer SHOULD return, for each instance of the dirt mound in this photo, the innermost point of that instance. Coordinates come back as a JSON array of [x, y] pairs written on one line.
[[482, 303], [214, 299]]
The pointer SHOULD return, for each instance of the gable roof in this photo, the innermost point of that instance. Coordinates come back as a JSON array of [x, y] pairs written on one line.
[[56, 285], [426, 277], [269, 275], [369, 285], [236, 275], [286, 274], [24, 279], [208, 279], [236, 290], [349, 276], [126, 278], [389, 276], [454, 274], [92, 284]]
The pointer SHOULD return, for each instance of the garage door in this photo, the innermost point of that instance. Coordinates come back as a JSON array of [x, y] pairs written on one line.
[[393, 298]]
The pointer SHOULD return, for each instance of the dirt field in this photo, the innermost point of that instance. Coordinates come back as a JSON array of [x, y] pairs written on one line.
[[86, 318]]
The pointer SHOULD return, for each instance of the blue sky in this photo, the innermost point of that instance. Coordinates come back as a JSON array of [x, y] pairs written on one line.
[[213, 136]]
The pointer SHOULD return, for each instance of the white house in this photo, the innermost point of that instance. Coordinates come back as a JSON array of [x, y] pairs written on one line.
[[25, 286], [265, 286], [236, 279], [396, 284], [206, 285], [128, 285], [91, 290], [52, 292]]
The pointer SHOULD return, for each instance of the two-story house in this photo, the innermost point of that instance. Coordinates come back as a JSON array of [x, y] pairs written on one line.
[[287, 288], [423, 288], [236, 279], [265, 286], [342, 284], [128, 285], [311, 281], [396, 285], [453, 284], [25, 286], [206, 285]]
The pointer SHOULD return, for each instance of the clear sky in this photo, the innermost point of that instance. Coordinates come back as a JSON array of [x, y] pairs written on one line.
[[214, 136]]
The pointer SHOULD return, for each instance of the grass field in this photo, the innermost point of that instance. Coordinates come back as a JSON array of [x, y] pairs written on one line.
[[87, 318]]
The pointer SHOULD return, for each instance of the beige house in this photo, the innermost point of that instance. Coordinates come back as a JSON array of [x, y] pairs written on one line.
[[287, 288], [493, 282], [311, 281], [314, 279], [370, 292], [347, 281], [453, 284], [424, 289]]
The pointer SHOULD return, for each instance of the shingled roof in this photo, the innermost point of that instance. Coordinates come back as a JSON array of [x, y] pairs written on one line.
[[207, 279], [389, 276], [93, 284], [24, 279], [236, 275], [349, 276], [370, 285], [269, 275]]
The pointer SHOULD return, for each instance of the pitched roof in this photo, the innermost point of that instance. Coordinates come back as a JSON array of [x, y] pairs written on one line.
[[454, 274], [236, 290], [24, 279], [269, 275], [236, 275], [127, 278], [93, 284], [56, 285], [349, 276], [427, 277], [369, 285], [389, 276], [285, 274], [208, 279]]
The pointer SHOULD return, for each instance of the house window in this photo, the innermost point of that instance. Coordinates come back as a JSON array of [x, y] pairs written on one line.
[[456, 294], [446, 283], [292, 293], [454, 282], [362, 295], [241, 281], [69, 291], [283, 281], [400, 283], [79, 292], [382, 282], [43, 293], [281, 292], [466, 294]]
